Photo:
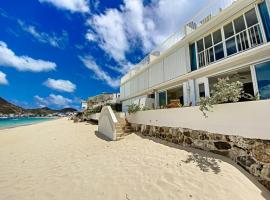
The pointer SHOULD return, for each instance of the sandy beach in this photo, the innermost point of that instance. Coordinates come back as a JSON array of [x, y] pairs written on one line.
[[63, 160]]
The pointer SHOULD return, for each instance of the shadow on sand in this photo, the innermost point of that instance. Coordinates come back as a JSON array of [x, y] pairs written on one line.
[[207, 161], [102, 137]]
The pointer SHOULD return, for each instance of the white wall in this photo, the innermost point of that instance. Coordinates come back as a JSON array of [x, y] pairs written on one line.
[[106, 123], [247, 119], [156, 74], [95, 116], [173, 65]]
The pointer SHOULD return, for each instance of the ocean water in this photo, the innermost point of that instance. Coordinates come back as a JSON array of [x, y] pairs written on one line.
[[14, 122]]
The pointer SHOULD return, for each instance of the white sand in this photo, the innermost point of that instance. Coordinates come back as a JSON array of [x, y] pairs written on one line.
[[66, 161]]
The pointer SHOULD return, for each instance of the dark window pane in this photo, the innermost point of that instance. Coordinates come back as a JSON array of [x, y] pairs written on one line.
[[162, 99], [193, 60], [239, 24], [217, 37], [231, 46], [210, 55], [228, 30], [200, 46], [201, 90], [219, 52], [208, 41], [263, 78], [201, 59], [251, 18]]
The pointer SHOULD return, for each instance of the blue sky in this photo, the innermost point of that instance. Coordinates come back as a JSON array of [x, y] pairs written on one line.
[[56, 52]]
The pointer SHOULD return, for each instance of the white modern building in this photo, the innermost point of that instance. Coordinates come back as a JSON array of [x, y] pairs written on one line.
[[229, 38]]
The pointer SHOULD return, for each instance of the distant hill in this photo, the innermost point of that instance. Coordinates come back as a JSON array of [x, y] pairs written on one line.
[[9, 108]]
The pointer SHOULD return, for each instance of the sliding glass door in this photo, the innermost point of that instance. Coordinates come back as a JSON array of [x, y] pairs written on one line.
[[263, 79]]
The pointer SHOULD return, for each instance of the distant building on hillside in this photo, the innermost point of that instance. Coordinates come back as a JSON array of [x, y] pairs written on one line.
[[98, 101]]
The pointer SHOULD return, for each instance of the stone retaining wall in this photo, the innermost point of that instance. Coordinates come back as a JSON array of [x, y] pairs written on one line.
[[252, 154]]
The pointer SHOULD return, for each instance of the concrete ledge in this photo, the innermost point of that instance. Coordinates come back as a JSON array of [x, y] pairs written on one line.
[[247, 119]]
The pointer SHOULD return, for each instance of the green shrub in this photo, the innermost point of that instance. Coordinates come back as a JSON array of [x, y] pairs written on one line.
[[224, 92], [133, 108]]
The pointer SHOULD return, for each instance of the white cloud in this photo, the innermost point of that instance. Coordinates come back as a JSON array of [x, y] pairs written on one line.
[[90, 36], [110, 29], [60, 85], [71, 5], [53, 39], [141, 25], [53, 100], [23, 63], [99, 72], [3, 79]]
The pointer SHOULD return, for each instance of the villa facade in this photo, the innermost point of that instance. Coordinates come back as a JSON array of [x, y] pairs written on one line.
[[232, 40]]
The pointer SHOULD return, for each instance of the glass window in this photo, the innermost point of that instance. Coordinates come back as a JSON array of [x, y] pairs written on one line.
[[200, 45], [265, 19], [239, 24], [251, 18], [231, 46], [263, 79], [193, 61], [201, 90], [208, 41], [219, 52], [228, 30], [162, 99], [243, 75], [210, 55], [175, 95], [217, 37]]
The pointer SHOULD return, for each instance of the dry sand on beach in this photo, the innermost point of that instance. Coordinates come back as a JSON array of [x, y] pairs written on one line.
[[66, 161]]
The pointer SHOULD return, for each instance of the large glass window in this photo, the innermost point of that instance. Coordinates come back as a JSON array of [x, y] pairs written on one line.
[[218, 48], [253, 28], [162, 99], [243, 75], [263, 79], [265, 19], [175, 95], [240, 34]]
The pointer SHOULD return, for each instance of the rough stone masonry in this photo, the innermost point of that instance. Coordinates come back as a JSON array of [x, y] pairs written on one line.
[[252, 154]]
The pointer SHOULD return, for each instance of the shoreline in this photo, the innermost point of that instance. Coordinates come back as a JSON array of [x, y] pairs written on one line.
[[28, 124]]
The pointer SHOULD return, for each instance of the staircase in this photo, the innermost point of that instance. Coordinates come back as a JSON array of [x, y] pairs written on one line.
[[123, 128]]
